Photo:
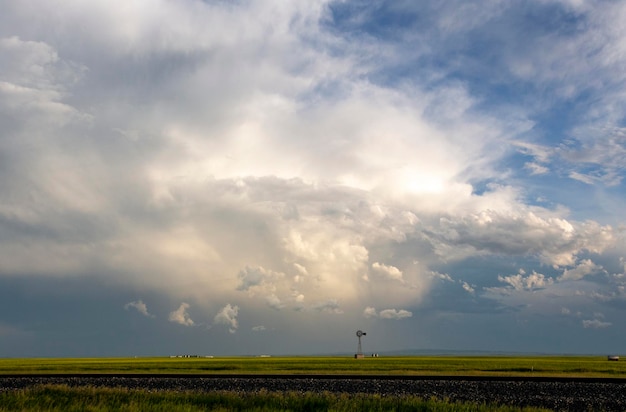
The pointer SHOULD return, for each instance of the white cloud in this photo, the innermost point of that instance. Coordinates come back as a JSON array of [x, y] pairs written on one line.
[[584, 268], [595, 324], [258, 276], [442, 276], [301, 272], [259, 328], [228, 316], [394, 314], [582, 177], [249, 135], [467, 287], [274, 302], [186, 161], [181, 316], [536, 169], [553, 240], [328, 306], [532, 282], [297, 296], [594, 154], [370, 312], [387, 271], [139, 306], [540, 153]]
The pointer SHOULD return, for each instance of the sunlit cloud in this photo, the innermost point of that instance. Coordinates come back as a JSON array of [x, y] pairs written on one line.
[[181, 316], [329, 306], [228, 316], [278, 164], [595, 324], [387, 272], [370, 312], [467, 287], [139, 306], [584, 268], [531, 282]]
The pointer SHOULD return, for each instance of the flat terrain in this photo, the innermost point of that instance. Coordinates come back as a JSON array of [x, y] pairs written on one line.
[[495, 366], [556, 394], [570, 383]]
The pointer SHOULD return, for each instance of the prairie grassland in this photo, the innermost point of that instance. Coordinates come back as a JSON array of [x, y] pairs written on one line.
[[63, 398], [576, 366]]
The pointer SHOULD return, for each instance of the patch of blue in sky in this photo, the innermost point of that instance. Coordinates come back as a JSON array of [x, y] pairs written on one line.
[[377, 19], [477, 57], [481, 187], [567, 191], [556, 120], [550, 18], [550, 189]]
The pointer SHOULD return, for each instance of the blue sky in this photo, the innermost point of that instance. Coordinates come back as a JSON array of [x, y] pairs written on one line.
[[247, 177]]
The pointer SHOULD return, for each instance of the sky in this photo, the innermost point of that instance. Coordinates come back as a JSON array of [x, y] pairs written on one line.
[[244, 177]]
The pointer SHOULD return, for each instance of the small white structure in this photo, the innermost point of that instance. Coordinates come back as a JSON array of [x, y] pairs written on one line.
[[612, 357]]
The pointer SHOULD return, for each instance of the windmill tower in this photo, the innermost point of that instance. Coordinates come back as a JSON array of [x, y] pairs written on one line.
[[359, 352]]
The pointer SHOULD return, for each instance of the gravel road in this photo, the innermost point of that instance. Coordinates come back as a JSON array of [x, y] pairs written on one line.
[[559, 395]]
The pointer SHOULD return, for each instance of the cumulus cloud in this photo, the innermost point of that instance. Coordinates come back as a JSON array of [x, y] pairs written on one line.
[[555, 241], [394, 314], [228, 316], [467, 287], [181, 316], [251, 277], [584, 268], [595, 324], [274, 286], [532, 282], [370, 312], [264, 153], [274, 302], [301, 272], [329, 306], [139, 306], [442, 276], [323, 209], [387, 271]]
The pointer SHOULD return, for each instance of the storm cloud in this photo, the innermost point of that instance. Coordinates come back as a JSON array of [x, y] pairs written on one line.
[[289, 165]]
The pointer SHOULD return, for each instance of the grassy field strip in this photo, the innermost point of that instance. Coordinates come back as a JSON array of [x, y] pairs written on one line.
[[576, 366], [59, 398]]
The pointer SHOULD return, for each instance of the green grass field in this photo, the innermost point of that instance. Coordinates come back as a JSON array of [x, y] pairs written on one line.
[[60, 398], [66, 399], [575, 366]]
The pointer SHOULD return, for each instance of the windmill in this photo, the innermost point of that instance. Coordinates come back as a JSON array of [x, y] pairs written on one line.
[[359, 352]]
